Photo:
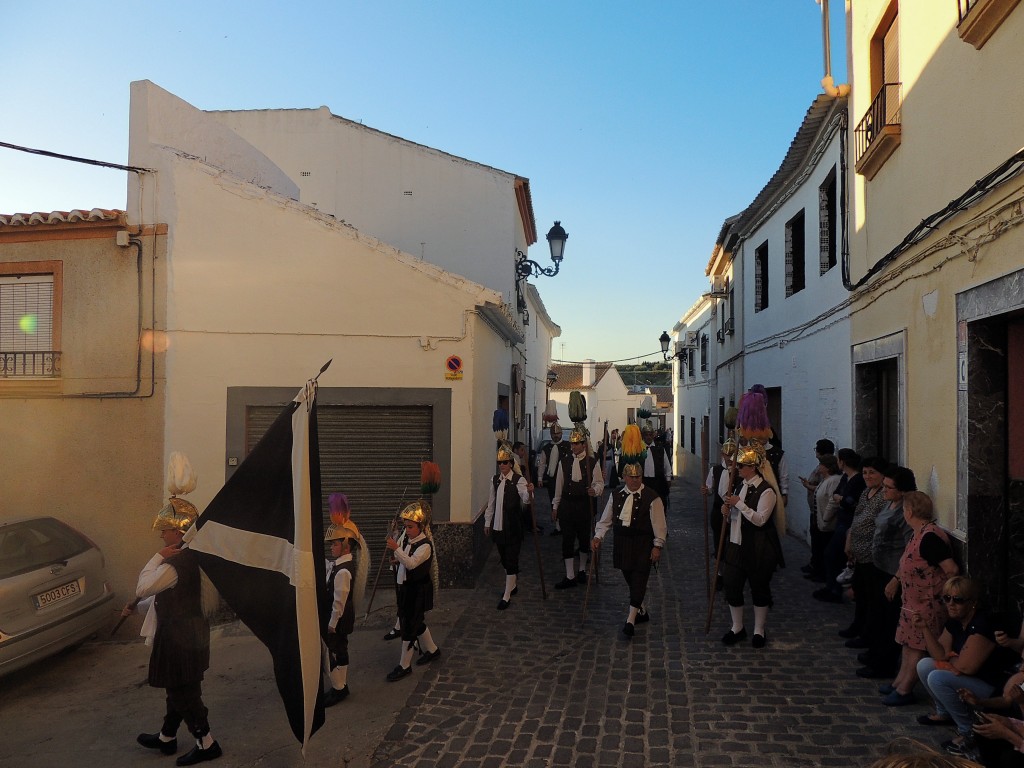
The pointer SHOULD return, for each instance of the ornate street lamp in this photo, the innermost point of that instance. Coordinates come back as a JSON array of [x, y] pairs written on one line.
[[526, 268]]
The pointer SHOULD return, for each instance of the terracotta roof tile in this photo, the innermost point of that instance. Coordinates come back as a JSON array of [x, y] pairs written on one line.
[[570, 376], [59, 217]]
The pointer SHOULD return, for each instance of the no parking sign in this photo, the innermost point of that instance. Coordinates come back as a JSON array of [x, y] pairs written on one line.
[[453, 368]]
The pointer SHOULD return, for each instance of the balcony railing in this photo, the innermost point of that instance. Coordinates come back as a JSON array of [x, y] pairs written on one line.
[[40, 365], [878, 133], [979, 19]]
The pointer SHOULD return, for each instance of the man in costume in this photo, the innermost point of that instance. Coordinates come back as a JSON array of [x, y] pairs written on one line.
[[657, 469], [578, 481], [176, 625], [503, 519], [415, 587], [548, 463], [753, 551], [346, 580], [638, 518]]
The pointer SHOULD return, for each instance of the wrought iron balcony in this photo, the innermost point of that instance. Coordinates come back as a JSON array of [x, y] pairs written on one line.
[[879, 131], [24, 365], [979, 19]]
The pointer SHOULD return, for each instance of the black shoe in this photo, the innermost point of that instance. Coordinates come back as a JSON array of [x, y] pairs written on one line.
[[503, 604], [643, 617], [428, 656], [152, 741], [398, 673], [872, 673], [199, 755], [393, 634], [826, 595], [628, 629], [850, 632], [731, 638], [581, 577], [566, 584], [758, 640], [864, 657], [515, 591], [335, 695], [857, 642]]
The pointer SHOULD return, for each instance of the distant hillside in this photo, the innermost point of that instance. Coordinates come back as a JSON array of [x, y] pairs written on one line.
[[654, 374]]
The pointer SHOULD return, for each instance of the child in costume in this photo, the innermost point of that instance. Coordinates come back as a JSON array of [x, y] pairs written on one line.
[[346, 581]]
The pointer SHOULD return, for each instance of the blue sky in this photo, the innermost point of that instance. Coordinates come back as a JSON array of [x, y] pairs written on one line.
[[641, 125]]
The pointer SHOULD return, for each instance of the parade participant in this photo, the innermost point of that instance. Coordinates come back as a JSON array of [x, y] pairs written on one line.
[[522, 466], [773, 449], [503, 519], [754, 550], [346, 580], [415, 587], [715, 484], [638, 518], [548, 462], [578, 481], [657, 469], [176, 625]]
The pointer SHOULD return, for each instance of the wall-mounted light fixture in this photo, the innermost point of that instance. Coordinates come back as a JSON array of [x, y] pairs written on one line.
[[526, 268]]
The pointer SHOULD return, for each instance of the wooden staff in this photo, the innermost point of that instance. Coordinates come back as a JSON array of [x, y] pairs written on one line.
[[383, 559], [133, 605], [704, 474], [533, 522], [594, 556], [721, 544]]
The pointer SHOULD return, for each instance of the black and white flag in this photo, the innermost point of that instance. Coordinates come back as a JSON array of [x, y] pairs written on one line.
[[260, 541]]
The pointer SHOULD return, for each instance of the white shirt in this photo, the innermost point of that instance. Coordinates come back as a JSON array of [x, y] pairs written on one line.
[[759, 516], [626, 516], [546, 467], [496, 500], [156, 576], [649, 470], [406, 561]]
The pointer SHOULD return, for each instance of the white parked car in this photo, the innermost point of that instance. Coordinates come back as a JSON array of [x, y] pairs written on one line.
[[53, 590]]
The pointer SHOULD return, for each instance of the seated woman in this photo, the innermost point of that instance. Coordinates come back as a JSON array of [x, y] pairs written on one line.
[[1000, 739], [964, 657]]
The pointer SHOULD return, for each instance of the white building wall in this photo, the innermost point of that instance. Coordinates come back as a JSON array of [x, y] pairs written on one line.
[[264, 290], [786, 347], [693, 391]]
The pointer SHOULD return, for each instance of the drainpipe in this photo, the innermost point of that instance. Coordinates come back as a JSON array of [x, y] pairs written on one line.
[[827, 83]]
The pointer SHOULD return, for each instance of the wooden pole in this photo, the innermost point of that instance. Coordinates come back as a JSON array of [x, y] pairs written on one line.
[[704, 474]]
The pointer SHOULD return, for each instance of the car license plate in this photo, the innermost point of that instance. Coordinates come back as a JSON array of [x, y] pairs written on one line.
[[58, 594]]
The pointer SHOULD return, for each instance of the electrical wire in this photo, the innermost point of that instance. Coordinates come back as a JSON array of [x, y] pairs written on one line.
[[72, 158]]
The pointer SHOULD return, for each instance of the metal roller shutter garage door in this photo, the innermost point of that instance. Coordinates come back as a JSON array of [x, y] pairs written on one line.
[[372, 454]]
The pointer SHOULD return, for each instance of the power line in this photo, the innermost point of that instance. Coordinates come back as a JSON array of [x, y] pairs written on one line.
[[72, 158]]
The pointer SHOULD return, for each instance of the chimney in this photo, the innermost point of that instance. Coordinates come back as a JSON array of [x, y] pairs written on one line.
[[589, 373]]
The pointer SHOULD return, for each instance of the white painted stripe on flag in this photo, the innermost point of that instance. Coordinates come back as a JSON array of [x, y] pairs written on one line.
[[307, 615], [257, 550]]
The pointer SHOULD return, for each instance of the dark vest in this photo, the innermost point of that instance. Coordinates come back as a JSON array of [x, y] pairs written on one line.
[[716, 478], [512, 505], [658, 457], [563, 449], [181, 646], [574, 489], [421, 573], [347, 622], [640, 524], [760, 544]]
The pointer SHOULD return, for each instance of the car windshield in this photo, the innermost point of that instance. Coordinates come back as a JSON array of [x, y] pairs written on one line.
[[32, 544]]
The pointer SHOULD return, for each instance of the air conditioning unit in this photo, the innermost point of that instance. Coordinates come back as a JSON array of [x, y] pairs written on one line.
[[720, 336], [718, 287], [730, 326], [690, 340]]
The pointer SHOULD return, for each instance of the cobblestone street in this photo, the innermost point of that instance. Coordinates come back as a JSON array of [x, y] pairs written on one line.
[[534, 686]]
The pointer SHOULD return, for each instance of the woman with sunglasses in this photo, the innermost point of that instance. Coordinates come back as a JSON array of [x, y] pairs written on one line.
[[963, 659]]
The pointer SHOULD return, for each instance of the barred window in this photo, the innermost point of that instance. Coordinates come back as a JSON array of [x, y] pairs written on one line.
[[761, 277], [29, 320]]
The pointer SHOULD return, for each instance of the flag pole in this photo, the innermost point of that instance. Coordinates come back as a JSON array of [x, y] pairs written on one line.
[[384, 557]]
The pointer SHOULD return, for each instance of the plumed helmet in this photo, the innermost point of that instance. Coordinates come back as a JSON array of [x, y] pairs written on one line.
[[632, 470], [729, 447], [417, 512], [578, 435], [750, 456], [344, 530], [338, 503], [556, 431], [505, 452], [177, 515]]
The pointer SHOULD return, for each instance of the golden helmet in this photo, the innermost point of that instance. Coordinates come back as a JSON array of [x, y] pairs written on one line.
[[750, 456], [417, 512], [578, 436], [729, 447], [632, 470], [178, 515], [344, 530], [505, 452], [556, 432]]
